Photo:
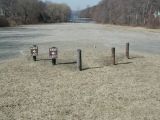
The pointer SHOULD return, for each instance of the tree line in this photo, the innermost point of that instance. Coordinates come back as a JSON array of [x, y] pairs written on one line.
[[13, 12], [126, 12]]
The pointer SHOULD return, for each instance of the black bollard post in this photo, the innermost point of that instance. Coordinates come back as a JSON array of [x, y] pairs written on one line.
[[127, 50], [53, 61], [113, 56], [79, 60], [34, 58]]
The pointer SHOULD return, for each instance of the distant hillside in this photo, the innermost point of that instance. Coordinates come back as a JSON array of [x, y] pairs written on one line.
[[31, 12], [126, 12]]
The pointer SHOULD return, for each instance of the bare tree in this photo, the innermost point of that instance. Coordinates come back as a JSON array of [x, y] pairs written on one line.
[[34, 11], [129, 12]]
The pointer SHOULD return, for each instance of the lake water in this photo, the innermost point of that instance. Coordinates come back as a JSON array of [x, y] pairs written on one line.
[[16, 41]]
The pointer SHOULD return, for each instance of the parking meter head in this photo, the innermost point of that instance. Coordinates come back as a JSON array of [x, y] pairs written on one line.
[[53, 52], [34, 50]]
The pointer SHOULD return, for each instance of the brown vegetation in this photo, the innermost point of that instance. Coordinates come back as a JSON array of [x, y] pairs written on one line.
[[33, 11], [126, 12], [3, 22]]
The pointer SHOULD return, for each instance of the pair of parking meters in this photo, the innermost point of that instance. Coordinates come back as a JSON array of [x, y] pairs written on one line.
[[53, 53]]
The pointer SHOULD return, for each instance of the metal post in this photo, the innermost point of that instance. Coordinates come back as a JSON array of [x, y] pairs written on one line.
[[113, 56], [79, 60], [34, 58], [53, 61], [127, 50]]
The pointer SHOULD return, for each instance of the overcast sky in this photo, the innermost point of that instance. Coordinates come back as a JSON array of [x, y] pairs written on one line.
[[77, 4]]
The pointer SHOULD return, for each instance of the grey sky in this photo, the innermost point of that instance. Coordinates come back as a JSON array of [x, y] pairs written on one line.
[[77, 4]]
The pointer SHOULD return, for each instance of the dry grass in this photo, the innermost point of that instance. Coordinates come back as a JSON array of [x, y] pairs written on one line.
[[39, 91]]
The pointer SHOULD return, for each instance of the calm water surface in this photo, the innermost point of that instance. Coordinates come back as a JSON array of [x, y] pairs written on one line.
[[16, 41]]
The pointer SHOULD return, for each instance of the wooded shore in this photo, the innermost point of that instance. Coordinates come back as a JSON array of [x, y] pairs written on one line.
[[17, 12]]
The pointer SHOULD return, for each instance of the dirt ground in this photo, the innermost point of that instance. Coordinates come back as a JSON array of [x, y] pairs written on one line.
[[129, 90]]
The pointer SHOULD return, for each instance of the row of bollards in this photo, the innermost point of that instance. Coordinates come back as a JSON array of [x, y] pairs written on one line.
[[53, 54], [114, 54], [79, 57]]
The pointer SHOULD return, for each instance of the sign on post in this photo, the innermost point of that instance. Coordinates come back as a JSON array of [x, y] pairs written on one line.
[[34, 52], [53, 53]]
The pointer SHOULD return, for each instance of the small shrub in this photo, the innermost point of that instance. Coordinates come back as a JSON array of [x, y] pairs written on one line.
[[4, 22]]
